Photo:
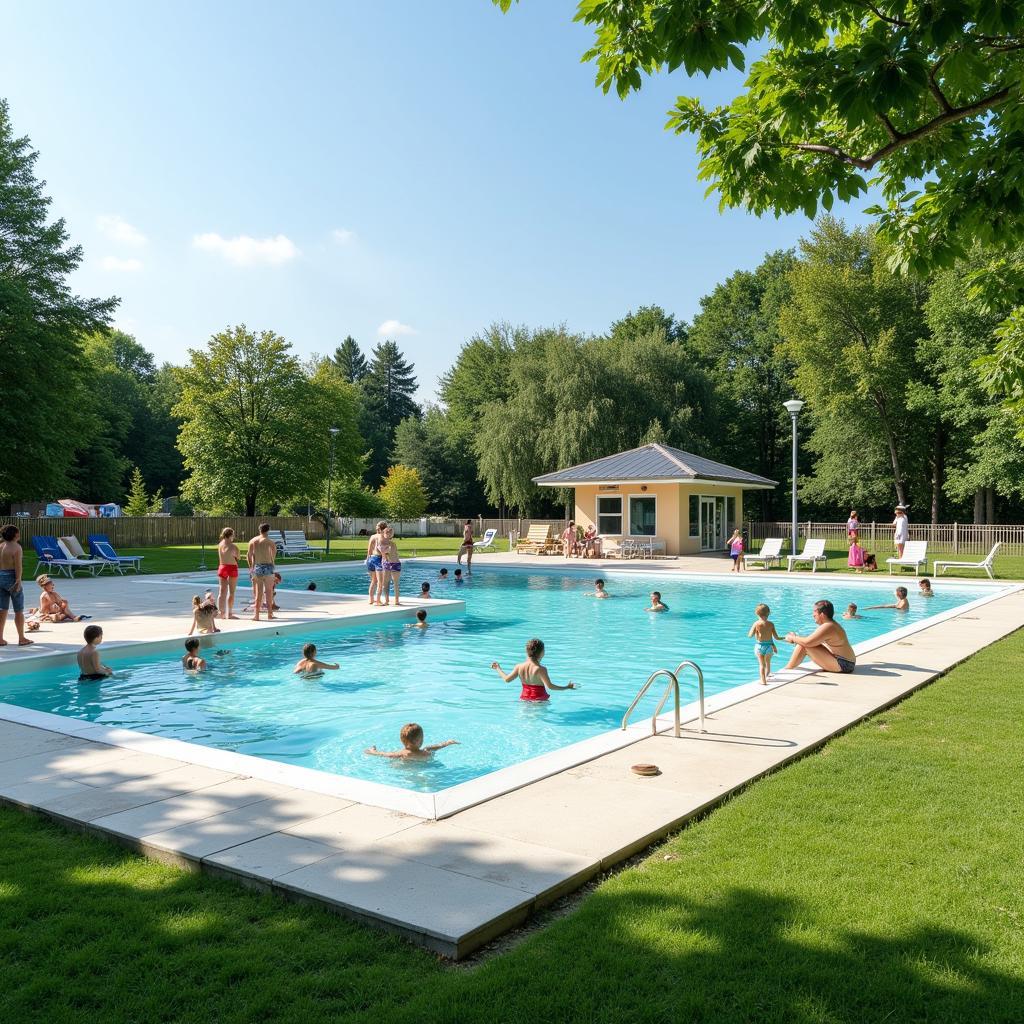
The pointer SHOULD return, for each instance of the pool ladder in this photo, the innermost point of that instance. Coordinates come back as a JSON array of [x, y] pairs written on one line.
[[673, 688]]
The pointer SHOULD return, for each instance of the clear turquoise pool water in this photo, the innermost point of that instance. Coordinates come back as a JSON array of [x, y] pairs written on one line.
[[391, 674]]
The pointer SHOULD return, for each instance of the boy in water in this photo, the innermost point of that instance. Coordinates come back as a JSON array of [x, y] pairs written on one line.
[[924, 588], [599, 592], [656, 603], [532, 674], [308, 664], [443, 574], [764, 633], [192, 662], [412, 745], [421, 619], [425, 590], [458, 576], [901, 605], [89, 667], [851, 612]]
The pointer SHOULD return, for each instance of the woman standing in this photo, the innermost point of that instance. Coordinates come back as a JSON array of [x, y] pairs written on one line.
[[391, 564], [374, 563], [227, 573]]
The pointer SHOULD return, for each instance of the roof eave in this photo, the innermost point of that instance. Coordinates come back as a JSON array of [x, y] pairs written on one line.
[[747, 485]]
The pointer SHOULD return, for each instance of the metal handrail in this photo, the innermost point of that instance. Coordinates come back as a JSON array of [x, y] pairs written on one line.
[[700, 687], [673, 686]]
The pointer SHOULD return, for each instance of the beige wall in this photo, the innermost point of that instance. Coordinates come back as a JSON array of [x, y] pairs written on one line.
[[673, 509]]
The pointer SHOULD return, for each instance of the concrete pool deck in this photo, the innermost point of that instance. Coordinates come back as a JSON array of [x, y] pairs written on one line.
[[451, 884]]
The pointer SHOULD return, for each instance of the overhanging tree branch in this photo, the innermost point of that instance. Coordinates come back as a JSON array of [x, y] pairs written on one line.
[[866, 163]]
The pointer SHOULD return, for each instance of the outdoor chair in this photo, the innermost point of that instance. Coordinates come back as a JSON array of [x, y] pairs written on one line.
[[987, 564], [770, 553], [813, 552], [487, 541], [915, 554], [538, 541], [72, 547], [100, 547], [293, 544], [53, 557]]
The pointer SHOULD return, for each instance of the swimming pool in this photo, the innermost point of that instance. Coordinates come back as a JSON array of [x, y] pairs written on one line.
[[251, 703]]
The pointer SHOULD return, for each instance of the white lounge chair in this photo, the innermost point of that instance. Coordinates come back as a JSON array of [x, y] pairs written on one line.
[[295, 545], [915, 554], [771, 552], [987, 563], [487, 541], [813, 552]]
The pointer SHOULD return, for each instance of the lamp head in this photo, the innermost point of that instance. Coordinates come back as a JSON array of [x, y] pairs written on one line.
[[793, 406]]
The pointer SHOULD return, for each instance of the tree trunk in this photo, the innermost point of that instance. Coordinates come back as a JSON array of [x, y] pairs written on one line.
[[990, 505], [894, 458], [250, 505], [938, 472], [979, 506]]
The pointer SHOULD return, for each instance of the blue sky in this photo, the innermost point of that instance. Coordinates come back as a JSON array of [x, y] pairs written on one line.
[[398, 169]]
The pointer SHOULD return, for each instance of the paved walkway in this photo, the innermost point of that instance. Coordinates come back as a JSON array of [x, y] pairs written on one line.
[[454, 884]]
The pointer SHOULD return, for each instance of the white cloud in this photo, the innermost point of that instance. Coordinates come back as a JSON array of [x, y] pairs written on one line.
[[119, 230], [343, 236], [245, 251], [118, 264], [394, 328]]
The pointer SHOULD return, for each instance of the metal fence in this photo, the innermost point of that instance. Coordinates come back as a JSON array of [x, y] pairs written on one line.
[[958, 538]]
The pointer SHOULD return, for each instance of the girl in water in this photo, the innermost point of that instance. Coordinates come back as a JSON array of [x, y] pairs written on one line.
[[227, 573], [532, 674], [391, 564], [374, 563]]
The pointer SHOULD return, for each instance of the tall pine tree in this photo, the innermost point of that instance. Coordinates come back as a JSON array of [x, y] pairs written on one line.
[[388, 389], [349, 359], [41, 320]]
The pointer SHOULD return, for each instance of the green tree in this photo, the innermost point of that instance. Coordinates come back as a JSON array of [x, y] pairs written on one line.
[[350, 360], [350, 498], [138, 502], [903, 91], [440, 449], [481, 372], [403, 494], [736, 335], [47, 413], [648, 320], [254, 428], [851, 332], [387, 389]]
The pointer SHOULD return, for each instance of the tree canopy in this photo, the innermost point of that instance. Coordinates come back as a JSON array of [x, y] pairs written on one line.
[[387, 388], [899, 90]]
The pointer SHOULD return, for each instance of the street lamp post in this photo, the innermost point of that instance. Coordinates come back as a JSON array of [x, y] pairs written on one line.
[[793, 407], [333, 431], [202, 541]]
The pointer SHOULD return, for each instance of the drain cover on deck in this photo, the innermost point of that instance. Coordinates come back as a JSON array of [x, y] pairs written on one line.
[[645, 769]]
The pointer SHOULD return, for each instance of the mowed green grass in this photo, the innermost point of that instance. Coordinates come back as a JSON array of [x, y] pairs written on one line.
[[877, 880]]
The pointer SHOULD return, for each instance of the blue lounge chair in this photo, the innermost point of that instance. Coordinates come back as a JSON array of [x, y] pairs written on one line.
[[53, 558], [100, 547]]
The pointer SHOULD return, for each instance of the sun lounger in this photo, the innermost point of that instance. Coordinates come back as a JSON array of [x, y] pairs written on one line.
[[72, 546], [487, 541], [101, 547], [987, 564], [813, 552], [770, 553], [538, 541], [53, 558], [293, 544], [915, 554]]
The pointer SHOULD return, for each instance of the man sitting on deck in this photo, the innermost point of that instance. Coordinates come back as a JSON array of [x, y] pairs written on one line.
[[828, 646]]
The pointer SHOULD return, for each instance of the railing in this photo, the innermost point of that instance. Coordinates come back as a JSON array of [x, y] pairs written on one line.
[[673, 688], [958, 538], [700, 686]]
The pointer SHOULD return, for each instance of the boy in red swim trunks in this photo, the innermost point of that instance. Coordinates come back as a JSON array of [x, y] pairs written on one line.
[[227, 573], [532, 674]]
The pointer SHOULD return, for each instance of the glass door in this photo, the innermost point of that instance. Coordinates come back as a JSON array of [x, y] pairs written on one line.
[[707, 524]]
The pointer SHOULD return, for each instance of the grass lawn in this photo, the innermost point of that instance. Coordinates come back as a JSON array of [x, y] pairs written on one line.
[[877, 880]]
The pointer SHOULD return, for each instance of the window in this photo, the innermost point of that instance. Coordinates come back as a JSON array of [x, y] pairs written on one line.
[[609, 516], [694, 515], [643, 517]]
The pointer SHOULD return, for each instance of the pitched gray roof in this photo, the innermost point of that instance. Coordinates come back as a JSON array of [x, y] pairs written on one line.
[[650, 462]]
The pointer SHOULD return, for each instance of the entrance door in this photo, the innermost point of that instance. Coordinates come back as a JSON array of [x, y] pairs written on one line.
[[707, 524]]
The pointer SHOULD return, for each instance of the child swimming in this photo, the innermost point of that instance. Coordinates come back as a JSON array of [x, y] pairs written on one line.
[[421, 619], [901, 605], [764, 633], [191, 661], [411, 737], [656, 603], [308, 665], [924, 588], [599, 591], [532, 674], [851, 612]]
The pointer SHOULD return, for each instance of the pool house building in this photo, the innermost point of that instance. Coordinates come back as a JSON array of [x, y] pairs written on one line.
[[679, 502]]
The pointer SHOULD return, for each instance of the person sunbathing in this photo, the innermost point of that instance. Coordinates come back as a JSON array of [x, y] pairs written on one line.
[[53, 607]]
